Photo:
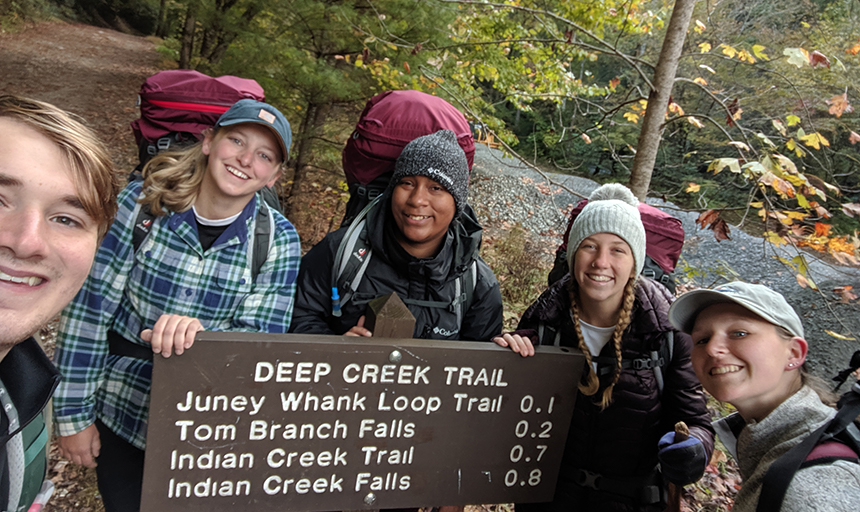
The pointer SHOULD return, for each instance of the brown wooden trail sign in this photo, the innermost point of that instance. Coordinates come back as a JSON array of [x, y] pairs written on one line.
[[294, 422]]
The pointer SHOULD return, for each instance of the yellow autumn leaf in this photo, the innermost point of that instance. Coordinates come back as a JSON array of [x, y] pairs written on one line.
[[797, 56], [728, 51], [695, 122], [775, 239], [744, 56], [758, 51], [704, 47], [586, 138], [778, 126], [692, 188], [792, 120], [700, 27], [795, 215], [632, 117], [676, 109], [815, 140], [701, 81], [839, 336], [740, 145], [719, 164], [756, 204]]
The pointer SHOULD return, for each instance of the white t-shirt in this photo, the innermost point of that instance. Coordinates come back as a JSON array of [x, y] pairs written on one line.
[[595, 338]]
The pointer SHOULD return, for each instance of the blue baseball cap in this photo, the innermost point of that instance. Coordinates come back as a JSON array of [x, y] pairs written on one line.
[[252, 111]]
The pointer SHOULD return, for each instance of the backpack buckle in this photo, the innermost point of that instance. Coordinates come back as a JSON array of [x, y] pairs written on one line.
[[639, 364], [588, 479], [647, 272], [163, 144]]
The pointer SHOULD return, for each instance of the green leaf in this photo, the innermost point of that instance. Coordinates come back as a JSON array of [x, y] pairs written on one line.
[[758, 51]]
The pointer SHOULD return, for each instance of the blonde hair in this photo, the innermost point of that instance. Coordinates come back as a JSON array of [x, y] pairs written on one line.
[[591, 382], [96, 181], [171, 180]]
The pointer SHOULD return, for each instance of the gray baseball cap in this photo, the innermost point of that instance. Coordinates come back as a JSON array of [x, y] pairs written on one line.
[[257, 112], [757, 298]]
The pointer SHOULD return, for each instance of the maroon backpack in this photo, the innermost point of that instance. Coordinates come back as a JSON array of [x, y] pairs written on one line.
[[177, 105], [391, 120], [664, 238]]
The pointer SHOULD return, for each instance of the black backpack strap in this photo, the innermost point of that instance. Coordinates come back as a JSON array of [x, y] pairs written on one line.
[[262, 239], [142, 226], [781, 472]]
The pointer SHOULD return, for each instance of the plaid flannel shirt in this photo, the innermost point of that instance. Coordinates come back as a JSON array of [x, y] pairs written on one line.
[[127, 291]]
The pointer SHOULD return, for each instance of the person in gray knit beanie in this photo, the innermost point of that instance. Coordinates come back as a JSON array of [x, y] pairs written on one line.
[[439, 157], [612, 208]]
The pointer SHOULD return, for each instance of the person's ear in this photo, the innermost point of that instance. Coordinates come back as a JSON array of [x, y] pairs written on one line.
[[797, 351], [275, 177], [206, 147]]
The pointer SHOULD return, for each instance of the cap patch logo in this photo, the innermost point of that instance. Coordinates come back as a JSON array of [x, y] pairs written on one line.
[[266, 116], [442, 178]]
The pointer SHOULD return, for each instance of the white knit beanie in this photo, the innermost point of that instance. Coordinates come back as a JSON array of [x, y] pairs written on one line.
[[612, 208]]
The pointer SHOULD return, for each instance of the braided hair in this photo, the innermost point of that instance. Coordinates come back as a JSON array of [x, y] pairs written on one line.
[[590, 382]]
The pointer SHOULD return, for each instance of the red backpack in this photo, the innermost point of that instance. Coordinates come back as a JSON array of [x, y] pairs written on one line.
[[177, 105], [391, 120], [664, 238]]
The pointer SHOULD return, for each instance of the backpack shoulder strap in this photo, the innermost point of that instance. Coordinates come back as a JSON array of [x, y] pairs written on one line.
[[263, 238], [352, 257], [781, 472], [142, 226]]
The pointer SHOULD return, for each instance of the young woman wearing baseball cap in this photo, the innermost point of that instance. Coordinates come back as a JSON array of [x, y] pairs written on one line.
[[749, 350], [191, 272]]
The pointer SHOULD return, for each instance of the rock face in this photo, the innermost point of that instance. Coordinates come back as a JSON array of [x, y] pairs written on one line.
[[505, 192]]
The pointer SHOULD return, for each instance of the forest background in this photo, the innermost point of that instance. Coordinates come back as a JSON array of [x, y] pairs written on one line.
[[750, 116], [750, 103]]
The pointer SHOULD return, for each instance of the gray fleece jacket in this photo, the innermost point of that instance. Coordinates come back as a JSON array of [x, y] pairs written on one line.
[[831, 487]]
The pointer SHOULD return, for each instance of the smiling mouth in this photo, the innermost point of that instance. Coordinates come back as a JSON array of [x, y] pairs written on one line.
[[725, 369], [29, 281], [599, 279], [237, 173], [418, 217]]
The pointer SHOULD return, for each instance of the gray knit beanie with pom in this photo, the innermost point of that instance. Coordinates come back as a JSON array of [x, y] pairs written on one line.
[[437, 156], [612, 208]]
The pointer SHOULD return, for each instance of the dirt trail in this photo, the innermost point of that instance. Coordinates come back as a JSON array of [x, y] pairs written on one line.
[[93, 72]]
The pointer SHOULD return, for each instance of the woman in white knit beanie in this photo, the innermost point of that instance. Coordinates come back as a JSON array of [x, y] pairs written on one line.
[[638, 381]]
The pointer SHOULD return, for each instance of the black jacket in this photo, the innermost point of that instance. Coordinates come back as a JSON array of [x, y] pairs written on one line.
[[392, 269], [620, 442], [30, 378]]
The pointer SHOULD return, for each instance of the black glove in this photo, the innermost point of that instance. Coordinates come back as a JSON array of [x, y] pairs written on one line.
[[681, 463]]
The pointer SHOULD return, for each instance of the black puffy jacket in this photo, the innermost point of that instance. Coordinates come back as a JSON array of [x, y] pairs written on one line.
[[392, 269], [620, 442]]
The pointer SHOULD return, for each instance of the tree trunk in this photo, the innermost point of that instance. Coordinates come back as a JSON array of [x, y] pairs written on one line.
[[187, 48], [307, 128], [161, 28], [658, 99]]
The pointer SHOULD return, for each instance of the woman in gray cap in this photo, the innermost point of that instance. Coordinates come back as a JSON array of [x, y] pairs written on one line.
[[159, 278], [419, 239], [638, 381], [749, 351]]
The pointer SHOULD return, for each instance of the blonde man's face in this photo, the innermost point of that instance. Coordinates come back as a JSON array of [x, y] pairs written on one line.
[[47, 240]]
